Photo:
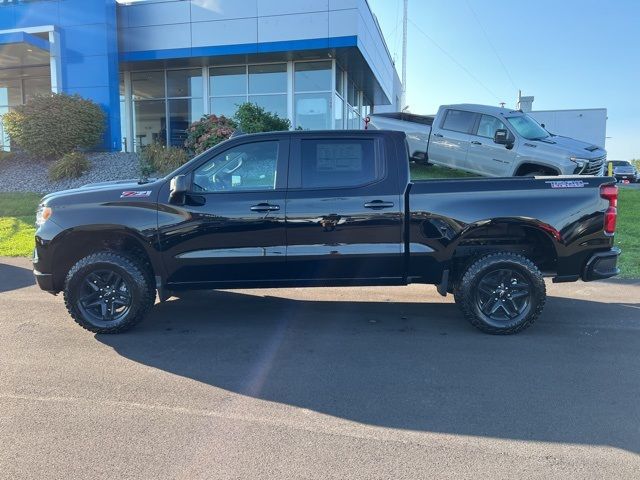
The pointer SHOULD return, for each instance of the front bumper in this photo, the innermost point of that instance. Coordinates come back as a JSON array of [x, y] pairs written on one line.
[[621, 177], [44, 280], [602, 265]]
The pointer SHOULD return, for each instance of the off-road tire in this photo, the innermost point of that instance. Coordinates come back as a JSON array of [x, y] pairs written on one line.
[[138, 280], [467, 288]]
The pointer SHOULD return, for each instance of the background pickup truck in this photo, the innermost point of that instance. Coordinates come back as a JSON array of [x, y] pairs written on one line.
[[493, 142], [292, 209]]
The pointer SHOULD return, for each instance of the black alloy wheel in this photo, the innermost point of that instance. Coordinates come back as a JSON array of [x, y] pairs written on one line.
[[104, 297], [501, 293]]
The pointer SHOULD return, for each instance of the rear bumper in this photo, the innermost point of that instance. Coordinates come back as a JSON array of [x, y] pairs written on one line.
[[601, 265]]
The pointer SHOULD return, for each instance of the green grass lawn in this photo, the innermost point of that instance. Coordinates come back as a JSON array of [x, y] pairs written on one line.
[[428, 172], [628, 232], [17, 223], [17, 218]]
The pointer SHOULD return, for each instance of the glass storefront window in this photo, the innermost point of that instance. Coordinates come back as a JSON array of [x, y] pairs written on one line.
[[36, 86], [268, 78], [313, 95], [338, 108], [352, 94], [182, 113], [271, 103], [10, 93], [313, 76], [339, 84], [226, 106], [228, 81], [150, 122], [148, 84], [184, 83], [354, 119], [313, 111], [4, 138]]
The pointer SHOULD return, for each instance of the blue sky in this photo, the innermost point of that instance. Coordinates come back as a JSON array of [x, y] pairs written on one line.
[[567, 53]]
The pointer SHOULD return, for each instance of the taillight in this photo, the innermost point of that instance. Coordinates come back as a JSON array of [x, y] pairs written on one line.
[[610, 193]]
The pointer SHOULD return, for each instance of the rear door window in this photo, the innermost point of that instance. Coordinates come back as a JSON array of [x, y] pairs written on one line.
[[336, 163], [459, 121]]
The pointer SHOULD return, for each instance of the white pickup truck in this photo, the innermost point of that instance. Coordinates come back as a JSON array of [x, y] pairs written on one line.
[[492, 141]]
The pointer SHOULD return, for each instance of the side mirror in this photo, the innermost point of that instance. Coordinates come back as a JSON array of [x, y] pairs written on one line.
[[503, 137], [178, 189]]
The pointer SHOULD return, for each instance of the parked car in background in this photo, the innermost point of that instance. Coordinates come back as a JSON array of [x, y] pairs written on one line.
[[334, 208], [625, 171], [493, 142]]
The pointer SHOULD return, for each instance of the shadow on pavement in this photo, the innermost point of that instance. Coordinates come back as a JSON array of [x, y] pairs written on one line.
[[14, 278], [415, 366]]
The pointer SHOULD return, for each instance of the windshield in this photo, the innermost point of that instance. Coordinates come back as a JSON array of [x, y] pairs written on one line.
[[527, 127]]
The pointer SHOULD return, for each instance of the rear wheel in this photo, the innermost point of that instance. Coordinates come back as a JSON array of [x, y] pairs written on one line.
[[107, 292], [501, 293]]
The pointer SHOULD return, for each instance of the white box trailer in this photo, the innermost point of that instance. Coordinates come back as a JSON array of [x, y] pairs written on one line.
[[588, 125]]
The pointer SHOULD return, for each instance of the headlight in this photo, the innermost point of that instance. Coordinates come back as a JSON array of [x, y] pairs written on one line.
[[43, 214], [581, 162]]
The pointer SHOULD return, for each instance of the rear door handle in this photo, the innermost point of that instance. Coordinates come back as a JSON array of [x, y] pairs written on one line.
[[378, 204], [475, 142], [264, 207], [437, 135]]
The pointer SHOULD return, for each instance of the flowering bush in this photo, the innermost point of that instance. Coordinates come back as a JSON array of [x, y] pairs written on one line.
[[207, 132]]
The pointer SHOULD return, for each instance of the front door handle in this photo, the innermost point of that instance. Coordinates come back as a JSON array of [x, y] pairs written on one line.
[[475, 142], [378, 204], [264, 207]]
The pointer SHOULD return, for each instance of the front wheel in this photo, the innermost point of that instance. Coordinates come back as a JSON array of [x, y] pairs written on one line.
[[107, 292], [501, 293]]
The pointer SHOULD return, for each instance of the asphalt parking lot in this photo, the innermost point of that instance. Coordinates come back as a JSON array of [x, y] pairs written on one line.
[[320, 383]]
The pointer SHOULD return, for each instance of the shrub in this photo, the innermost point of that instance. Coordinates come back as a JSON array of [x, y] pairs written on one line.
[[49, 126], [208, 132], [636, 162], [156, 158], [71, 165], [251, 118], [5, 157]]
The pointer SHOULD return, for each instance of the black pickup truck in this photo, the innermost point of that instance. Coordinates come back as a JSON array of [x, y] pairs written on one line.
[[293, 209]]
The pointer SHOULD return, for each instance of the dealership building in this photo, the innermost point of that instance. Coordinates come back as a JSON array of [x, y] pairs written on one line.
[[155, 66]]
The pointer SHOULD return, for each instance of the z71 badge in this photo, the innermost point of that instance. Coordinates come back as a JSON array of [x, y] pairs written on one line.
[[136, 194], [567, 183]]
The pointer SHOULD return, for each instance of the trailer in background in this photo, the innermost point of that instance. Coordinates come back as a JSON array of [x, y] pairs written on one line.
[[588, 125]]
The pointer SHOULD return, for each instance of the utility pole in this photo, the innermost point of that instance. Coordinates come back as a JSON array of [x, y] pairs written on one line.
[[403, 98]]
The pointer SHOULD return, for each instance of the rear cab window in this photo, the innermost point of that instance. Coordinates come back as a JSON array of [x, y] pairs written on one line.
[[459, 121], [339, 163]]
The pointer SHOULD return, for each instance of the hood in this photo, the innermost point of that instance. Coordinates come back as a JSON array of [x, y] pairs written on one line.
[[117, 187], [572, 146], [624, 169]]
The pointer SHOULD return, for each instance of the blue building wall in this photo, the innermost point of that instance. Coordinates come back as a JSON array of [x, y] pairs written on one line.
[[89, 49]]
